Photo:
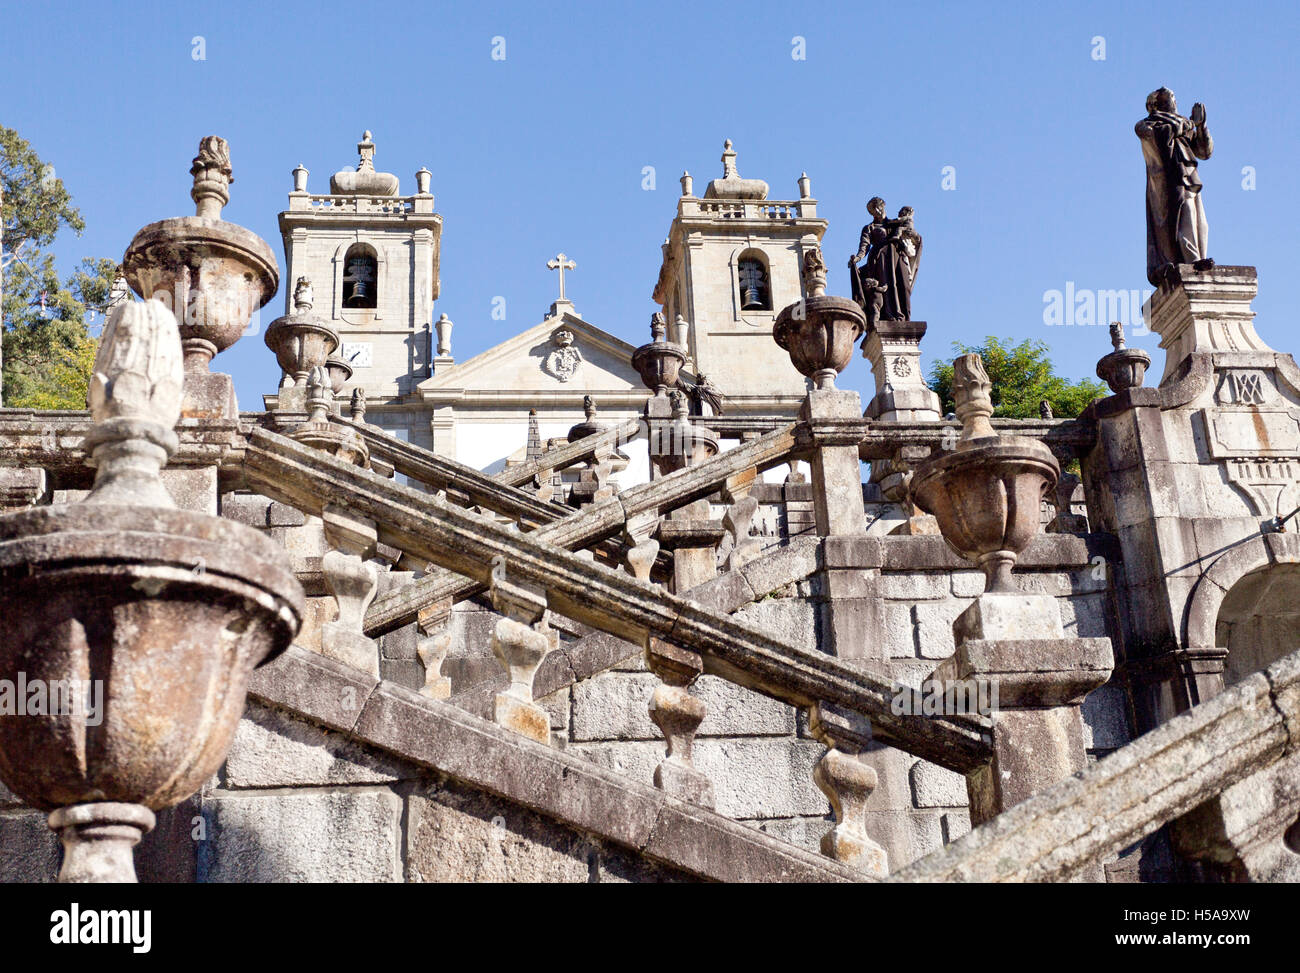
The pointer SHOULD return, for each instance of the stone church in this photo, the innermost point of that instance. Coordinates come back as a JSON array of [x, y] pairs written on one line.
[[575, 610]]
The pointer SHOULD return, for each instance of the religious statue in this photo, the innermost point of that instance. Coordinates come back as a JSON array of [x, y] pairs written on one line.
[[302, 295], [892, 250], [1177, 232], [705, 399]]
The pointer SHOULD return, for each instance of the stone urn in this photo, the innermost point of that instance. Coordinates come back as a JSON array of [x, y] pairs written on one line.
[[986, 493], [659, 362], [319, 433], [683, 441], [140, 623], [819, 332], [339, 371], [212, 274], [1124, 368], [301, 341]]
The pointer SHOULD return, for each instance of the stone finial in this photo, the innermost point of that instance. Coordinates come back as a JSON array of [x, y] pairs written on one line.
[[680, 405], [320, 393], [813, 273], [302, 295], [805, 186], [970, 392], [366, 152], [658, 327], [300, 178], [729, 170], [423, 178], [1117, 335], [688, 184], [136, 387], [443, 328], [1045, 410], [589, 407], [681, 326], [358, 409], [212, 177]]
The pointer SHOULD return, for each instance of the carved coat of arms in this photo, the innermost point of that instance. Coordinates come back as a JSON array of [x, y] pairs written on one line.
[[565, 359]]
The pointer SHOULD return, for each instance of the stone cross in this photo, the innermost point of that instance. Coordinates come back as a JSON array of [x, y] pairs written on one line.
[[561, 263]]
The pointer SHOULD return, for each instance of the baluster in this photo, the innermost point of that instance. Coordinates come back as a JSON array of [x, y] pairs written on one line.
[[678, 715], [352, 580], [847, 782], [642, 547], [432, 623], [521, 640], [738, 518]]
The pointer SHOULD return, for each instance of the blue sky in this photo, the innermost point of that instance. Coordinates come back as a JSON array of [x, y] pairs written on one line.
[[544, 151]]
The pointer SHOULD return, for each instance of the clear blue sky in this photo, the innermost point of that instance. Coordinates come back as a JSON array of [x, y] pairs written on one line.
[[544, 151]]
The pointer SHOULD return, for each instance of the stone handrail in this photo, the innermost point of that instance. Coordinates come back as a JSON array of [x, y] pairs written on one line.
[[614, 602], [442, 473], [595, 523], [1161, 775]]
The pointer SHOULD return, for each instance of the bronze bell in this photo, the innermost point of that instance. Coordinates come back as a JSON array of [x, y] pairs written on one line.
[[359, 281], [753, 295]]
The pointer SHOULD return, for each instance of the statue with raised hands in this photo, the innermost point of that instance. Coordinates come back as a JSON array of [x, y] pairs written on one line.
[[1177, 232]]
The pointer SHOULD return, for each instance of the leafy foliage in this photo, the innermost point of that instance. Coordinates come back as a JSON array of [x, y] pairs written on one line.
[[1022, 377], [48, 348]]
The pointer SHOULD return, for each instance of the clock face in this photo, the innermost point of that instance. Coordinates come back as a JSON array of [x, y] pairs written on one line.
[[358, 354]]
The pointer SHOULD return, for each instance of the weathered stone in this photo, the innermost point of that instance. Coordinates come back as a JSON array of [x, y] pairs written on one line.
[[613, 707], [935, 787], [272, 749], [31, 851], [345, 835]]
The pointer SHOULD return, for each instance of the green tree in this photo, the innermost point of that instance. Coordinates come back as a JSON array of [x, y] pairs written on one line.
[[1022, 377], [47, 346]]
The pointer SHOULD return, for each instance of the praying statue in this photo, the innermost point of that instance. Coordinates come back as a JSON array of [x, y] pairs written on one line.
[[892, 249], [1176, 228]]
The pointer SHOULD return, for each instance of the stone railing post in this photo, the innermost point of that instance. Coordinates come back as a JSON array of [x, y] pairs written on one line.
[[520, 642], [678, 715], [693, 537], [1012, 653], [847, 782]]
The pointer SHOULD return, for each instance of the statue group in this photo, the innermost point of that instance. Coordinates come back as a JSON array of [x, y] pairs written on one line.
[[1176, 228], [882, 286]]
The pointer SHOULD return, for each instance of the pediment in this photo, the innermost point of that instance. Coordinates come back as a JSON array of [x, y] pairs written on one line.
[[541, 359]]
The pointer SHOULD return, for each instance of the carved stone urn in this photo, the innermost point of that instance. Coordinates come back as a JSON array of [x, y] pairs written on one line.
[[986, 493], [659, 362], [213, 275], [819, 332], [301, 341], [137, 623], [319, 433], [1124, 368]]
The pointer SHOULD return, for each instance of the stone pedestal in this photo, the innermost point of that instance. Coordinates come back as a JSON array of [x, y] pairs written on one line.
[[693, 537], [832, 417], [209, 395], [1037, 680], [1204, 311], [894, 350]]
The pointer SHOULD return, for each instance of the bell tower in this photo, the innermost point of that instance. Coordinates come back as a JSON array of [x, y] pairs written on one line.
[[371, 255], [730, 264]]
